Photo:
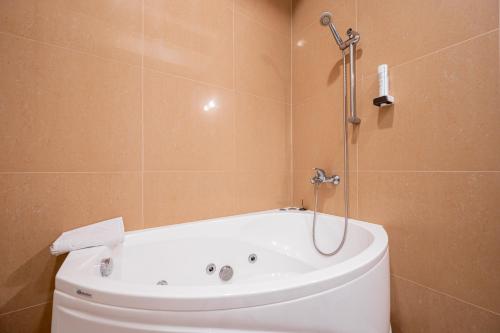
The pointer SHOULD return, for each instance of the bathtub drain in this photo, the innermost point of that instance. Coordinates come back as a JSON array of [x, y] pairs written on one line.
[[162, 283]]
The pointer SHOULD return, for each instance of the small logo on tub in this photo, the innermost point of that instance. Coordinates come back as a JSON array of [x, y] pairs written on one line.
[[83, 293]]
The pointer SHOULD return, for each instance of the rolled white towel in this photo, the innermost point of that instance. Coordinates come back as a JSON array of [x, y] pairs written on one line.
[[109, 232]]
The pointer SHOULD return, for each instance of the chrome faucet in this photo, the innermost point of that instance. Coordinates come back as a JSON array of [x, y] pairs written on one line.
[[320, 177]]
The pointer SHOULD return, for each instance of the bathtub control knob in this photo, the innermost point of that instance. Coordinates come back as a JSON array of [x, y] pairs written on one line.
[[226, 273]]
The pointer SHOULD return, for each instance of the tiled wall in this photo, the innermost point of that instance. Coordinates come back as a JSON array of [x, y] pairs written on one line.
[[102, 114], [428, 168]]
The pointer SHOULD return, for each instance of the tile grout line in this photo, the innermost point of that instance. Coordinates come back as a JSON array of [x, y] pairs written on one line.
[[234, 186], [356, 8], [208, 84], [142, 115], [446, 295], [358, 214], [234, 47], [188, 171], [408, 61], [205, 83], [290, 140], [408, 171], [307, 99], [357, 179], [69, 49], [447, 47], [91, 17], [261, 24], [69, 172], [428, 171], [438, 50], [140, 65], [139, 172], [25, 308]]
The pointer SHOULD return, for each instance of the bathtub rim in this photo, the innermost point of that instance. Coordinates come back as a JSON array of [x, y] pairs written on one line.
[[218, 297]]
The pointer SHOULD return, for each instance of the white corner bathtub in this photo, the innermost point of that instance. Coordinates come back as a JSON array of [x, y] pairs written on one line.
[[288, 288]]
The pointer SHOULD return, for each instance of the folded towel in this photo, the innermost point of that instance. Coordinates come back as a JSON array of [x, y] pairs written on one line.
[[109, 232]]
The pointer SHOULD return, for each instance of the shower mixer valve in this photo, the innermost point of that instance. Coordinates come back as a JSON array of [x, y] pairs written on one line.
[[320, 177]]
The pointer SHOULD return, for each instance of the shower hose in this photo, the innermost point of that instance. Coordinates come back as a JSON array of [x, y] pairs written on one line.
[[346, 177]]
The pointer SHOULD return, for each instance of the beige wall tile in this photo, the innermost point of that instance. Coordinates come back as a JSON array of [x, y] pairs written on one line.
[[97, 197], [443, 229], [192, 38], [307, 12], [66, 111], [262, 60], [34, 319], [414, 28], [179, 134], [107, 28], [78, 133], [13, 254], [36, 208], [444, 119], [318, 137], [274, 14], [449, 101], [176, 197], [259, 190], [263, 140], [416, 309]]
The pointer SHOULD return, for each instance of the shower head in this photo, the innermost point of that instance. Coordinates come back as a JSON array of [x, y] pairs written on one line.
[[326, 20]]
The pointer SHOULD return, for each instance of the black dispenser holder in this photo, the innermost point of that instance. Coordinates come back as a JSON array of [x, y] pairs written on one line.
[[382, 101]]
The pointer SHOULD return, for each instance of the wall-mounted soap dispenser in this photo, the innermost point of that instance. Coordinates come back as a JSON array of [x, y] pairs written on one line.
[[383, 98]]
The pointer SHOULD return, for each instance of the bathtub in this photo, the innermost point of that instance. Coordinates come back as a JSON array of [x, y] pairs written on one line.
[[168, 279]]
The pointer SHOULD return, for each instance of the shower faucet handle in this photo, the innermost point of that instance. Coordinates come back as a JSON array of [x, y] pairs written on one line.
[[320, 177], [335, 180]]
